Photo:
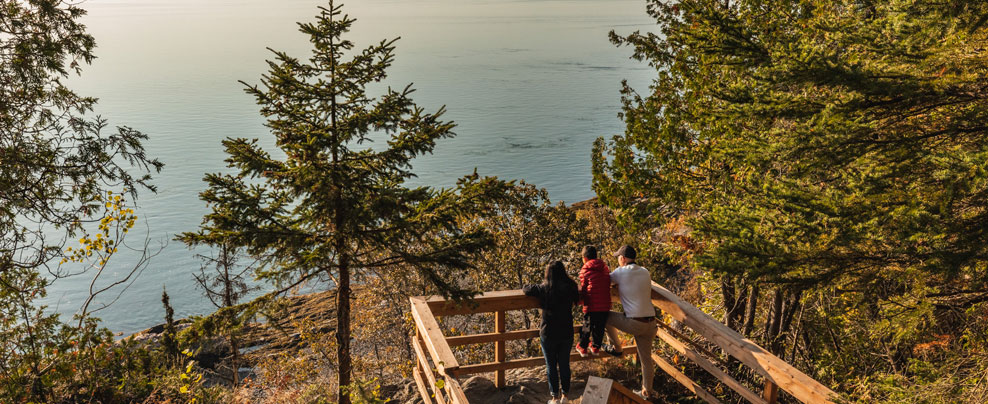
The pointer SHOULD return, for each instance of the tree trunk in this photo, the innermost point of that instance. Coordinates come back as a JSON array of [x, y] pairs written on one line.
[[751, 311], [727, 293], [343, 330], [226, 262], [733, 308], [343, 287], [789, 310], [235, 360], [774, 321]]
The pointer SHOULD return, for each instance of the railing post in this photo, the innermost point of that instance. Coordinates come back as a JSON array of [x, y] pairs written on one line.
[[771, 392], [499, 325]]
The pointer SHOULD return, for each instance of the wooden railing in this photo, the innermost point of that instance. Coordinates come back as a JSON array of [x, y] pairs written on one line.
[[437, 368]]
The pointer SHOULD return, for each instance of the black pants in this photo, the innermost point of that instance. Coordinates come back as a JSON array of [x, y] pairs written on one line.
[[556, 352], [594, 323]]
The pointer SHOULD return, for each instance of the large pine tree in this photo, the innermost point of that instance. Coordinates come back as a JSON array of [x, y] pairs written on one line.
[[836, 150], [337, 205], [813, 141]]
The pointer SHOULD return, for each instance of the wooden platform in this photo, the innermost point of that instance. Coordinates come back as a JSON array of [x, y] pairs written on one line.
[[437, 368]]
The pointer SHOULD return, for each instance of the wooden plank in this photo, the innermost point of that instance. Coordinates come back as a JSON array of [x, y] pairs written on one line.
[[684, 380], [424, 363], [696, 346], [502, 300], [790, 379], [494, 337], [428, 327], [711, 368], [499, 351], [527, 363], [771, 392], [455, 391], [626, 394], [490, 337], [597, 391], [423, 391], [450, 384]]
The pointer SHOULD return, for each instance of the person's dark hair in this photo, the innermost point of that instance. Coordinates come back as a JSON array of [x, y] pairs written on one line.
[[590, 252], [556, 279]]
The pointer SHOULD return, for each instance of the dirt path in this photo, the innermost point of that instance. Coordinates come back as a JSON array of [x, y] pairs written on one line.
[[528, 386]]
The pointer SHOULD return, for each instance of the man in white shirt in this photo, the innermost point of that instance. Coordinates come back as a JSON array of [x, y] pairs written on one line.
[[634, 285]]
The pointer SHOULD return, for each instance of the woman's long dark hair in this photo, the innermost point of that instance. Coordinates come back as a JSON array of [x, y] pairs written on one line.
[[557, 281]]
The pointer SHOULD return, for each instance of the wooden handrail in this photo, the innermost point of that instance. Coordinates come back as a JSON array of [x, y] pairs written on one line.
[[526, 363], [782, 374], [684, 380], [423, 363], [471, 339], [488, 302], [433, 335], [777, 373], [705, 363]]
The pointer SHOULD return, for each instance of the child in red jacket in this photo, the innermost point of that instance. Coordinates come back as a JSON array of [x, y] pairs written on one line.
[[595, 290]]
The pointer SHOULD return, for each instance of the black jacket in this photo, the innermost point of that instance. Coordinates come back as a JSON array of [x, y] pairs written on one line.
[[557, 309]]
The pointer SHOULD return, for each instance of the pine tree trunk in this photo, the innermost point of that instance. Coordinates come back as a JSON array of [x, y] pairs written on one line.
[[733, 308], [235, 360], [774, 320], [792, 305], [343, 288], [727, 292], [749, 316], [226, 262], [343, 330]]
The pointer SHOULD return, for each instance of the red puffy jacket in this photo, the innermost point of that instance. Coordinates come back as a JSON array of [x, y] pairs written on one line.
[[595, 286]]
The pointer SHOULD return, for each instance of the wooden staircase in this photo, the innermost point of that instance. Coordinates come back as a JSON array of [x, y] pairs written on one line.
[[438, 370]]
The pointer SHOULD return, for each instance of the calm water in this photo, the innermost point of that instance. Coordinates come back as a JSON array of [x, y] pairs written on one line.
[[530, 83]]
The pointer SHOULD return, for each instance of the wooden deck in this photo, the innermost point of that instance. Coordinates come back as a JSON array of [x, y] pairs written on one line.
[[437, 368]]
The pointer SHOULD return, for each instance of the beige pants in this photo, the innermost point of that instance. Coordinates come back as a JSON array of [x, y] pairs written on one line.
[[644, 334]]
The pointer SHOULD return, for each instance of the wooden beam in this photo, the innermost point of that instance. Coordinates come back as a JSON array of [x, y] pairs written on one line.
[[771, 392], [428, 327], [420, 384], [684, 380], [499, 351], [488, 302], [790, 379], [627, 394], [606, 391], [490, 337], [455, 391], [424, 364], [527, 363], [494, 337], [711, 368], [696, 346]]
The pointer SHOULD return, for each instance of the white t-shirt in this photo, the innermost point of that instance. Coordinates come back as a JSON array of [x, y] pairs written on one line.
[[635, 290]]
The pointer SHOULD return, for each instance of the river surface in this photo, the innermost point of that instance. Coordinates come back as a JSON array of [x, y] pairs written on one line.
[[530, 84]]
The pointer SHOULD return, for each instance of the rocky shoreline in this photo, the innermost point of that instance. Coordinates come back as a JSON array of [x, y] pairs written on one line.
[[258, 339]]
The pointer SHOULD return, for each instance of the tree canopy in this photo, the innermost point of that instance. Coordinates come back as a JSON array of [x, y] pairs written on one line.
[[836, 152], [63, 171], [813, 141]]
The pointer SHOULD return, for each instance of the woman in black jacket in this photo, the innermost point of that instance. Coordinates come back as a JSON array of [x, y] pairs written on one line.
[[556, 294]]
